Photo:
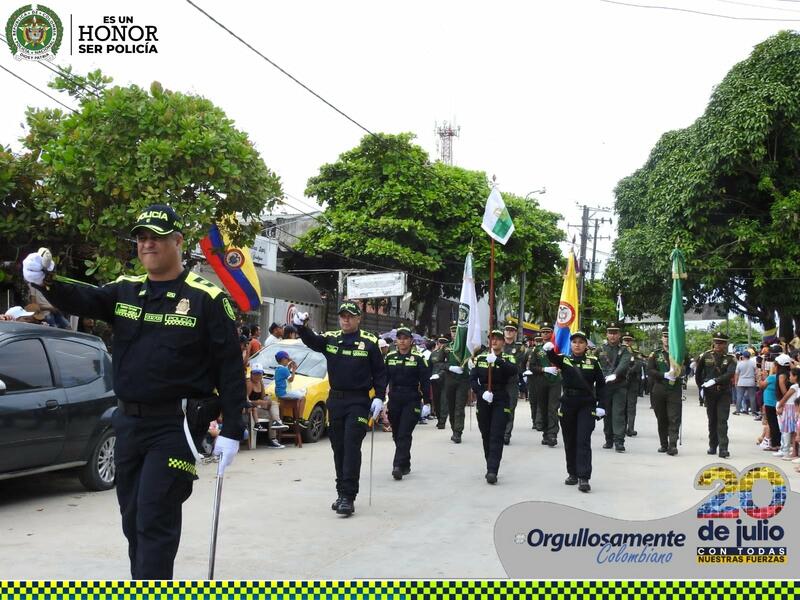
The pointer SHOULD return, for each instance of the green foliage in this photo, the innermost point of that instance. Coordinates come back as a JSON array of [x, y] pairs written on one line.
[[388, 204], [727, 189], [128, 148]]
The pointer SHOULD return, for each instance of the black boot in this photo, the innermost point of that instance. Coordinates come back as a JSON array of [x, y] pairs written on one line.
[[608, 444], [711, 450], [491, 478], [724, 454], [583, 485], [336, 503], [456, 438], [619, 446], [662, 449], [406, 470], [346, 507], [571, 480], [673, 451], [397, 473]]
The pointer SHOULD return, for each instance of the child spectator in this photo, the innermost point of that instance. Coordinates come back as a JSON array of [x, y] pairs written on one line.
[[256, 395], [787, 419], [255, 342], [284, 374]]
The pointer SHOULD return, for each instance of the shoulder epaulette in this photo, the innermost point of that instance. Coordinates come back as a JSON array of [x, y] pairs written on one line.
[[199, 283], [369, 336], [392, 353], [333, 333], [131, 278]]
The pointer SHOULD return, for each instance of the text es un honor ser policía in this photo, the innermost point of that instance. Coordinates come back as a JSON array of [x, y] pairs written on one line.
[[117, 35]]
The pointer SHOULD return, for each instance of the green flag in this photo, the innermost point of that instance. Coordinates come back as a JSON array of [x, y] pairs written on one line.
[[677, 332]]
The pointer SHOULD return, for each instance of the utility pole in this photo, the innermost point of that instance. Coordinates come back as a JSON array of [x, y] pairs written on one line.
[[584, 237], [521, 315], [594, 243]]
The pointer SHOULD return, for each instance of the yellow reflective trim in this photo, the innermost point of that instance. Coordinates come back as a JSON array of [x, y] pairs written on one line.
[[197, 282], [368, 336], [131, 278]]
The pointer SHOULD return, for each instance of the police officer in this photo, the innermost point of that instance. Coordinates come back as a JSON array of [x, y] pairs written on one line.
[[409, 380], [615, 361], [544, 389], [514, 348], [438, 363], [715, 370], [580, 405], [456, 391], [355, 366], [665, 396], [493, 402], [633, 378], [174, 338]]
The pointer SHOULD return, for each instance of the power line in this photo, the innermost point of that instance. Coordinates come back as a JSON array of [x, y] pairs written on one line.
[[41, 91], [282, 70], [697, 12], [759, 6]]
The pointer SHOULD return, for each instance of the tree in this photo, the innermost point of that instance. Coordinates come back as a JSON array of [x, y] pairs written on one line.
[[387, 204], [727, 189], [127, 148]]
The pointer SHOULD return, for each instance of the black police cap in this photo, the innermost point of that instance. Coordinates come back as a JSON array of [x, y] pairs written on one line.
[[350, 308], [158, 218]]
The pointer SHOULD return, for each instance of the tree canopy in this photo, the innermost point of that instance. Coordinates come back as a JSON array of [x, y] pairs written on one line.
[[727, 190]]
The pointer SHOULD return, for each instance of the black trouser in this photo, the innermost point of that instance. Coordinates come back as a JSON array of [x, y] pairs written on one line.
[[577, 425], [631, 397], [492, 419], [457, 392], [513, 398], [667, 403], [774, 430], [436, 393], [718, 407], [154, 474], [403, 416], [349, 421]]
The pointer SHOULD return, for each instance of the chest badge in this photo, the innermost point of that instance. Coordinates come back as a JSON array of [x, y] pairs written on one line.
[[361, 345], [183, 307]]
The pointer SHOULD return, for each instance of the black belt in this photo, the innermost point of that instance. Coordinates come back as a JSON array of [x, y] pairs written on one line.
[[139, 409], [347, 393]]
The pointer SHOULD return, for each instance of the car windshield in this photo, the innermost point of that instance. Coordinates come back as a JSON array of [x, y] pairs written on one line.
[[309, 363]]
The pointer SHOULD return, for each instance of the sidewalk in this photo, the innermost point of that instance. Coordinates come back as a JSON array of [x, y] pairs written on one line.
[[437, 522]]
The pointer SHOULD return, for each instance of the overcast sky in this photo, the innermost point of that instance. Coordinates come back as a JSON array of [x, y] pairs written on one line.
[[571, 95]]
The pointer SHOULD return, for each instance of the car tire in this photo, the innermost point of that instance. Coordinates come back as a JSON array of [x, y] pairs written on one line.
[[316, 425], [98, 474]]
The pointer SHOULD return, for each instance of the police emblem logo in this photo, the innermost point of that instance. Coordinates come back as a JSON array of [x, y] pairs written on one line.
[[361, 345], [34, 32], [234, 258], [183, 307]]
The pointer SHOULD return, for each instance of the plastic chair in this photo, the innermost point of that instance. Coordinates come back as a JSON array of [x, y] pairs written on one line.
[[294, 430]]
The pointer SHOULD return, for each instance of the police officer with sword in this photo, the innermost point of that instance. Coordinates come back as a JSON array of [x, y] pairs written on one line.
[[355, 366], [174, 344]]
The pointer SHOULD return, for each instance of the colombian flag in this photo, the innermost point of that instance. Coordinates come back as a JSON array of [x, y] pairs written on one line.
[[235, 269], [567, 318]]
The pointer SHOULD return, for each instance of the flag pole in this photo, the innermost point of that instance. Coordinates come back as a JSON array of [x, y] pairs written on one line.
[[491, 312]]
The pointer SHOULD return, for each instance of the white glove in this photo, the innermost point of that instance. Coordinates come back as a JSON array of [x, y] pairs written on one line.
[[228, 449], [551, 370], [488, 396], [455, 369], [491, 358], [35, 265], [548, 346], [376, 408], [525, 379], [611, 378], [300, 318], [426, 411], [599, 412], [709, 383], [434, 377], [670, 375], [528, 372]]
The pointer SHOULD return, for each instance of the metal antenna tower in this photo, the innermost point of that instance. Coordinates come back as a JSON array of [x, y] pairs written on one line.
[[446, 133]]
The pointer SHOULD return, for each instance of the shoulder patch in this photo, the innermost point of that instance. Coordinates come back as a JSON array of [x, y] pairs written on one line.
[[199, 283], [131, 278], [226, 304], [369, 336], [333, 333]]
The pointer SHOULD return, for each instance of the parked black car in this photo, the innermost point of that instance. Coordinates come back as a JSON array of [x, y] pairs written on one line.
[[56, 401]]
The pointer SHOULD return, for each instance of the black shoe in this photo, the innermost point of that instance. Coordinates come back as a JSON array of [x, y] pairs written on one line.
[[345, 507], [491, 478], [552, 442], [711, 450], [456, 438], [724, 454], [619, 447], [662, 449], [406, 470], [673, 451], [608, 445], [632, 433], [397, 473], [571, 480], [506, 440], [583, 485], [336, 503], [440, 426], [545, 442]]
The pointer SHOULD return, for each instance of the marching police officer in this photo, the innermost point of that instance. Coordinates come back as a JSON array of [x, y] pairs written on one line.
[[438, 362], [409, 381], [615, 361], [514, 348], [633, 378], [544, 389], [493, 402], [581, 404], [714, 373], [665, 396], [456, 391], [355, 366], [174, 338]]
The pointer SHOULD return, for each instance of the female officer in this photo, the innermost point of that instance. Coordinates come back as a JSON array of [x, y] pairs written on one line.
[[493, 404]]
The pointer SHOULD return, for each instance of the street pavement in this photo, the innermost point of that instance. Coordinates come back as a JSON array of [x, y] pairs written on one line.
[[276, 521]]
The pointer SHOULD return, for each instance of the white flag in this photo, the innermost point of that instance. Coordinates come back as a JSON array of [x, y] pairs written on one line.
[[468, 332], [620, 312], [496, 220]]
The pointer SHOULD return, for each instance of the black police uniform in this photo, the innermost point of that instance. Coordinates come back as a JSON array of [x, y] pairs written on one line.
[[516, 350], [355, 366], [409, 378], [492, 417], [172, 340], [583, 393]]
